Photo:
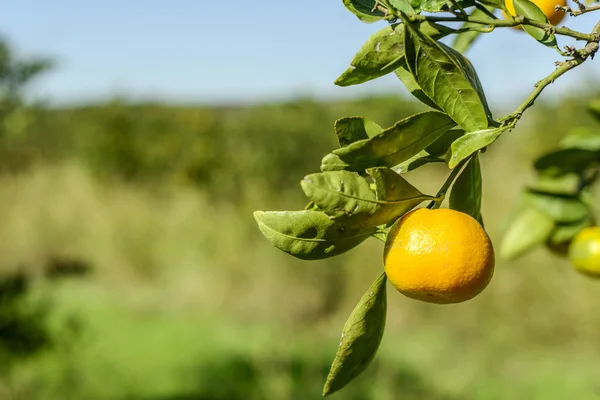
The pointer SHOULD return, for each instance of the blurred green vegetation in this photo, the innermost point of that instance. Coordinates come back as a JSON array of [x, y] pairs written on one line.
[[138, 271]]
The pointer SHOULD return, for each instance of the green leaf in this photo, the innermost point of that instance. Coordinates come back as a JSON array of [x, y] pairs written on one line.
[[567, 184], [392, 146], [416, 161], [308, 235], [432, 153], [413, 87], [400, 5], [441, 146], [530, 227], [565, 232], [361, 337], [440, 5], [565, 161], [563, 209], [365, 10], [528, 9], [350, 200], [581, 138], [381, 54], [352, 129], [594, 108], [472, 76], [468, 144], [443, 80], [467, 190]]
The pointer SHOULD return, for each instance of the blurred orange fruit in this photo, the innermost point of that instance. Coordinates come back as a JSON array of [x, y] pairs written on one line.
[[547, 7], [438, 256], [584, 252]]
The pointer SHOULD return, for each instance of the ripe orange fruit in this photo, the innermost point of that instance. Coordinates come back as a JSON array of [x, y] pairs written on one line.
[[547, 7], [584, 252], [438, 256]]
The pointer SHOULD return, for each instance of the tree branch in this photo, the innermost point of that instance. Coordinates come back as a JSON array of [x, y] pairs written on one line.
[[519, 20], [579, 57], [581, 10]]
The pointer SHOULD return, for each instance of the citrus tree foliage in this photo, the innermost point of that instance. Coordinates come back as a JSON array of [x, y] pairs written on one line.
[[359, 191], [558, 205]]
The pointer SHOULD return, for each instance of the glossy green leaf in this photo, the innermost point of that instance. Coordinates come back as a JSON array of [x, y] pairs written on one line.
[[413, 87], [528, 9], [471, 75], [562, 209], [350, 199], [469, 143], [432, 153], [352, 129], [392, 146], [441, 146], [308, 235], [382, 53], [361, 337], [365, 10], [443, 80], [433, 30], [440, 5], [466, 192], [530, 228], [565, 161]]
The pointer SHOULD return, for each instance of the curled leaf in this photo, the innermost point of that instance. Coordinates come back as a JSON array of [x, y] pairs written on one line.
[[361, 337], [365, 10], [468, 144], [308, 234], [350, 199], [381, 54], [392, 146], [352, 129]]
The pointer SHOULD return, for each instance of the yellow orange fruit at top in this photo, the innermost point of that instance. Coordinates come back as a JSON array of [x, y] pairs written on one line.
[[584, 252], [438, 256], [547, 7]]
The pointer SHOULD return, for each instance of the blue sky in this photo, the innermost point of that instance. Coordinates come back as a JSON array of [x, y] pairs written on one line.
[[208, 51]]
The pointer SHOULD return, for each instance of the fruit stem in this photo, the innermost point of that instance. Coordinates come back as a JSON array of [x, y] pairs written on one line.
[[441, 194]]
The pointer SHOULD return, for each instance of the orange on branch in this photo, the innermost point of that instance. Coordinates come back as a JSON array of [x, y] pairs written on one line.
[[584, 252], [439, 256], [547, 7]]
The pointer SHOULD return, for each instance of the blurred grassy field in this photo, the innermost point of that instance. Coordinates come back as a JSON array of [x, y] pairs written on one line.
[[186, 300]]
